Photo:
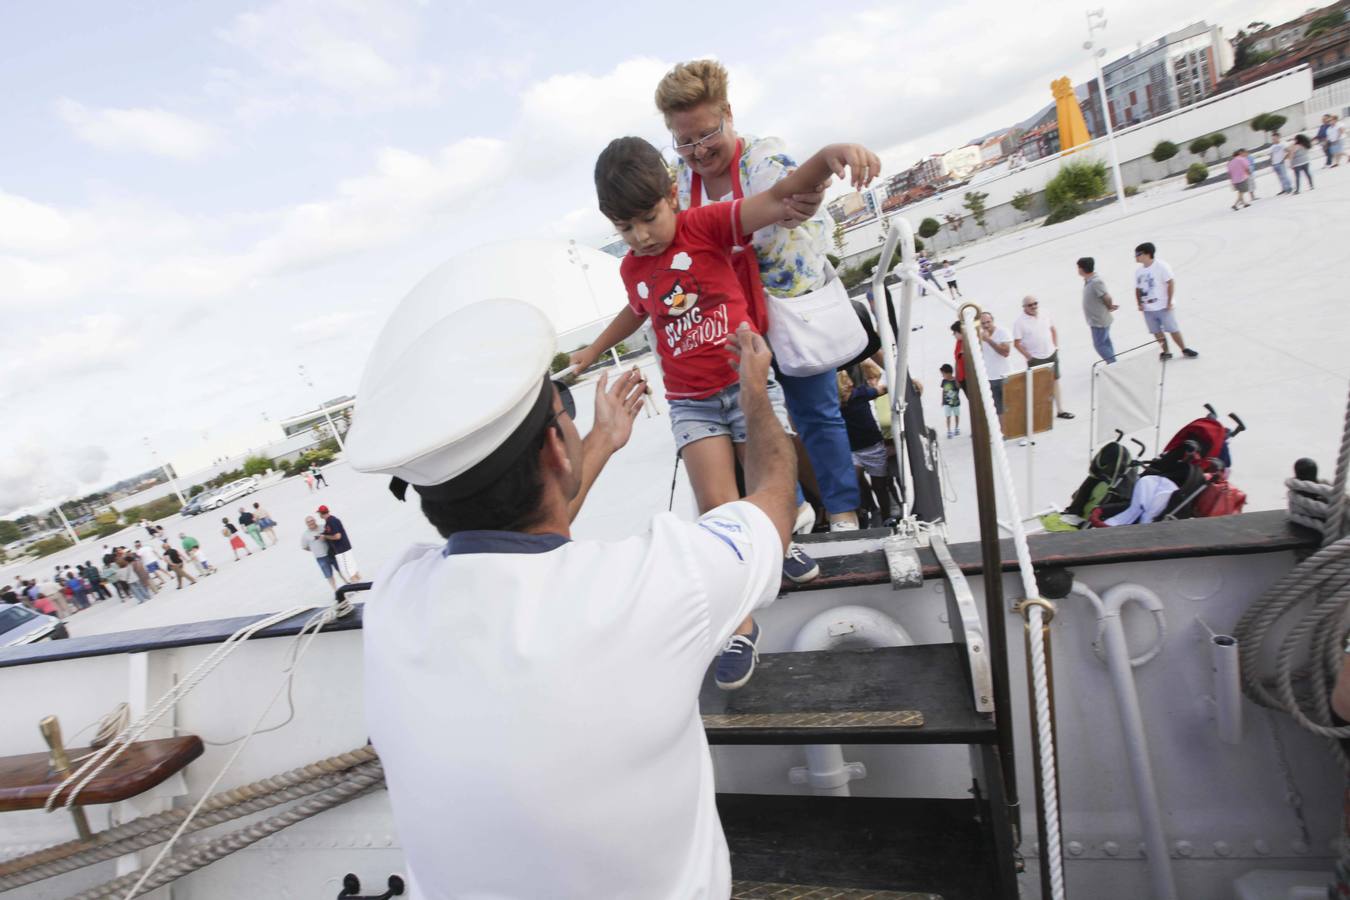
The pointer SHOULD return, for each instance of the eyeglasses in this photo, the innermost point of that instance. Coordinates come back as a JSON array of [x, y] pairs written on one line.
[[692, 146], [1030, 305]]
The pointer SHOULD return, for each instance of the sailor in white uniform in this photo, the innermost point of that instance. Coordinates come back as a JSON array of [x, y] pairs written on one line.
[[534, 699]]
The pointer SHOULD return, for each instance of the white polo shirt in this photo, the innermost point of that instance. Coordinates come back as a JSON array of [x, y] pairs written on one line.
[[535, 703]]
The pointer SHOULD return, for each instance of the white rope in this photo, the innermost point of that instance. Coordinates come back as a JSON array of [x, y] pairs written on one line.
[[303, 640], [109, 753], [1045, 734]]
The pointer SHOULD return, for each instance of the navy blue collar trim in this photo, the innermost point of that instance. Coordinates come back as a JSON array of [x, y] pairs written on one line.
[[501, 542]]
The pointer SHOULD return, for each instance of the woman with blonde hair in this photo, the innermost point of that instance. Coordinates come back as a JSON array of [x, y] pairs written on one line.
[[714, 164]]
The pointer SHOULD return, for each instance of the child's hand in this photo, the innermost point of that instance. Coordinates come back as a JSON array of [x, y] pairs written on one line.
[[582, 359], [750, 357], [862, 163]]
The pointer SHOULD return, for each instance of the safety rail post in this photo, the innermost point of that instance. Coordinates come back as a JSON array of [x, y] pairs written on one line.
[[986, 498]]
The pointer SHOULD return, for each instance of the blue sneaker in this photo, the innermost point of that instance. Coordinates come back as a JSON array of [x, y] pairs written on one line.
[[798, 567], [736, 662]]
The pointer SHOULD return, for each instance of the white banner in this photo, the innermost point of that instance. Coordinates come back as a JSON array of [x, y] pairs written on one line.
[[1126, 394]]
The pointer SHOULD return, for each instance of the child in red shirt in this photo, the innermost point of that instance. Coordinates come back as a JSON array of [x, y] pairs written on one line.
[[679, 273]]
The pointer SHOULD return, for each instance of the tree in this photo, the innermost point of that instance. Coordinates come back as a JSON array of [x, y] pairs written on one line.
[[1074, 184], [1217, 140], [560, 361], [839, 238], [257, 465], [9, 532], [1022, 200], [1268, 122], [975, 203], [1197, 173], [1164, 150], [1200, 145], [954, 221], [1323, 23], [929, 227]]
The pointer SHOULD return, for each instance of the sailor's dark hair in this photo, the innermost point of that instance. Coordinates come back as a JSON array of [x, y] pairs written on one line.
[[1146, 247], [511, 503], [1087, 264], [630, 178]]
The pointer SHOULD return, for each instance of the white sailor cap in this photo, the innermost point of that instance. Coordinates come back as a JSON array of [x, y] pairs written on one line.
[[451, 406]]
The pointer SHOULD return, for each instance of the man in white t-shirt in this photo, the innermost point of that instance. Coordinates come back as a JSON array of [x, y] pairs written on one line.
[[1155, 291], [533, 698], [1035, 338], [996, 347]]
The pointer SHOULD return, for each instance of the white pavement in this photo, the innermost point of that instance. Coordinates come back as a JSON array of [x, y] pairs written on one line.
[[1258, 295]]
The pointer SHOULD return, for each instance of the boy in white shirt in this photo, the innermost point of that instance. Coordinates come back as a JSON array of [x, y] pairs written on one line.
[[1155, 292]]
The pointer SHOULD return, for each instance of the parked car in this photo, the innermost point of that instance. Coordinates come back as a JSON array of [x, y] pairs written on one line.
[[232, 491], [21, 625], [200, 503]]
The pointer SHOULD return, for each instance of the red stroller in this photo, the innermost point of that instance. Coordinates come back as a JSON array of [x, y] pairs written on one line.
[[1189, 479]]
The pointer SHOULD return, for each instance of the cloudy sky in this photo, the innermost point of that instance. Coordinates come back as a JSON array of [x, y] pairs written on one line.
[[197, 198]]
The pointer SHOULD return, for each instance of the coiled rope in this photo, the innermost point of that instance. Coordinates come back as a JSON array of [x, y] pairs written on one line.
[[1311, 652], [1034, 613]]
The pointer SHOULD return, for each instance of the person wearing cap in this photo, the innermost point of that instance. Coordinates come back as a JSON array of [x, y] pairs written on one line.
[[339, 545], [534, 698], [311, 539]]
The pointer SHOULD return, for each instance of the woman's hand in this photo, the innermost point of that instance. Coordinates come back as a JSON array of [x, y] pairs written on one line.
[[801, 207], [863, 164]]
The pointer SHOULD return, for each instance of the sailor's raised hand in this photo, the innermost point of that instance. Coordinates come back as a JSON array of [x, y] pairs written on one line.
[[750, 356], [617, 406]]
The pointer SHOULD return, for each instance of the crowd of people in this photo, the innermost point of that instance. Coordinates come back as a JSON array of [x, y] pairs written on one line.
[[1290, 160], [145, 568], [1035, 338]]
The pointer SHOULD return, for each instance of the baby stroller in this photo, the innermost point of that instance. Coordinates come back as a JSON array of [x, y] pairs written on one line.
[[1111, 477], [1189, 479]]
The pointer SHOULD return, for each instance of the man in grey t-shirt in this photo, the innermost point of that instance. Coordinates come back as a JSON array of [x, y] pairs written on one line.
[[1097, 308]]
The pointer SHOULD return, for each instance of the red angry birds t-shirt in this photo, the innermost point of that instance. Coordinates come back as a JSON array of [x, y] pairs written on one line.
[[694, 299]]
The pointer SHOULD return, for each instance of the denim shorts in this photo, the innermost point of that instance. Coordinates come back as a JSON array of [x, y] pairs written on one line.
[[325, 565], [719, 415], [1160, 320]]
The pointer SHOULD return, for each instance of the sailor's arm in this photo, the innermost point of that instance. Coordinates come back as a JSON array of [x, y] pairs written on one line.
[[770, 462], [615, 409]]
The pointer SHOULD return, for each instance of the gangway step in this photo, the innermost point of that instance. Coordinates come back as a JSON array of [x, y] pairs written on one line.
[[894, 695], [856, 847]]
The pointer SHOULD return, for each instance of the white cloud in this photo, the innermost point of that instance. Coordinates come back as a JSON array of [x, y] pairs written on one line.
[[155, 131], [29, 226], [99, 343], [402, 194], [31, 473], [571, 117], [359, 51], [328, 327]]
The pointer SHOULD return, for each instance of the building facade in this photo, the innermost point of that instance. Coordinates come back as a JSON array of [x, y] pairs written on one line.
[[1173, 72]]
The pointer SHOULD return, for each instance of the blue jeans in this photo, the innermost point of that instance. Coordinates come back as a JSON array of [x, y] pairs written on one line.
[[1282, 173], [813, 402], [1101, 340]]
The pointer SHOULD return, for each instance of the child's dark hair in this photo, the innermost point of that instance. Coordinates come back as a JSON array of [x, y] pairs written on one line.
[[630, 178], [1302, 141], [1087, 264], [946, 369], [1146, 247]]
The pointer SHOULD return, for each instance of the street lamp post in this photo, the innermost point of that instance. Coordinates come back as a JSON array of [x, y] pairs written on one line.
[[1096, 21], [574, 257], [323, 407], [167, 470]]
